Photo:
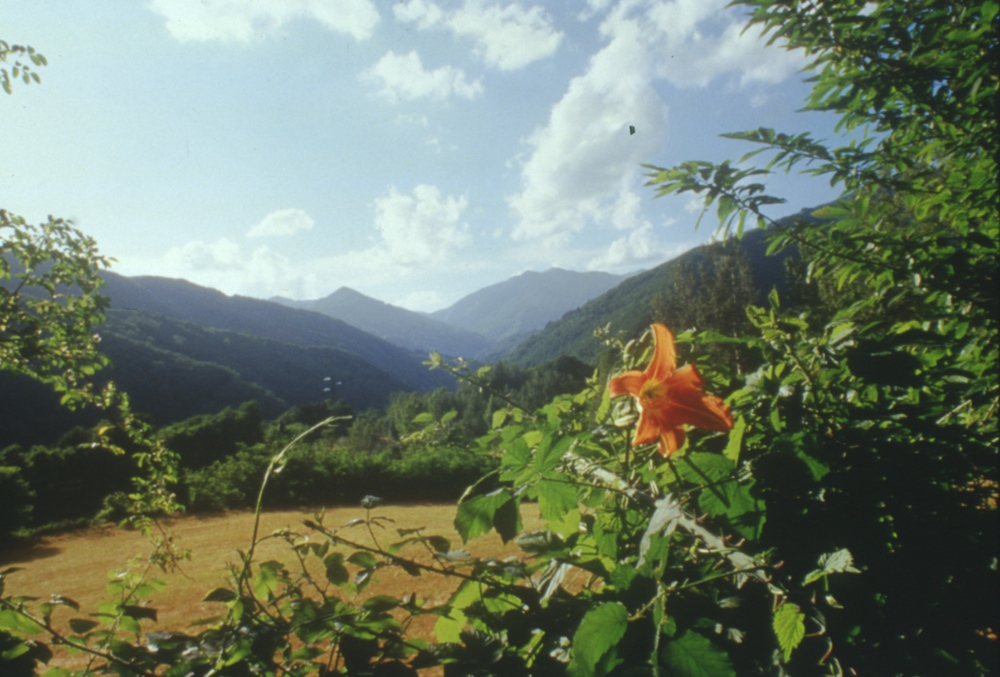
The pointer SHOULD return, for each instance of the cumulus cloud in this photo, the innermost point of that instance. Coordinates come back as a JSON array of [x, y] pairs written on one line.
[[282, 222], [583, 156], [404, 77], [583, 160], [422, 228], [639, 249], [697, 41], [505, 37], [228, 266], [241, 21]]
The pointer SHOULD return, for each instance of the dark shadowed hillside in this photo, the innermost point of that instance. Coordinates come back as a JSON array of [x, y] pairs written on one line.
[[398, 326], [639, 300], [182, 300]]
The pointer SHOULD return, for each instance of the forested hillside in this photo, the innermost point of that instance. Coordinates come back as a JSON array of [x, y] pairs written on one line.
[[705, 288], [182, 300]]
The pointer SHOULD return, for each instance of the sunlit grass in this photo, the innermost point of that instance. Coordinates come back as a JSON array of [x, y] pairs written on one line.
[[79, 564]]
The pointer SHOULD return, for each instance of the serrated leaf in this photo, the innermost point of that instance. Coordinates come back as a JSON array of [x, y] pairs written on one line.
[[704, 468], [597, 635], [789, 627], [694, 655], [479, 514], [839, 562], [448, 628], [555, 498]]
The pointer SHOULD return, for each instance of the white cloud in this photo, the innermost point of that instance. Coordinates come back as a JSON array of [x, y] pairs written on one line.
[[421, 12], [506, 37], [242, 21], [583, 160], [640, 248], [584, 157], [229, 267], [282, 222], [696, 41], [404, 77], [421, 229]]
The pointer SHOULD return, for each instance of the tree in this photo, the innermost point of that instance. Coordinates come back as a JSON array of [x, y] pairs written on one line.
[[892, 401]]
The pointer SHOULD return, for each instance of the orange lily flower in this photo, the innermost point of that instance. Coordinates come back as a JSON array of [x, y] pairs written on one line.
[[669, 398]]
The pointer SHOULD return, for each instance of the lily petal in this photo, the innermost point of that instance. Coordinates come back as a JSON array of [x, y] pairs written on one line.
[[629, 383], [664, 355], [694, 407]]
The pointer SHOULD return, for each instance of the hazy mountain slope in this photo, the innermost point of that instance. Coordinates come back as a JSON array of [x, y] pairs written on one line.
[[173, 370], [291, 374], [525, 303], [398, 326], [182, 300], [629, 307]]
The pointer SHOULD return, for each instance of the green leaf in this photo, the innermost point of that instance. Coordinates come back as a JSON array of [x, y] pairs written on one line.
[[693, 655], [265, 583], [790, 627], [22, 625], [82, 626], [497, 509], [220, 595], [448, 628], [732, 450], [704, 468], [365, 560], [499, 416], [598, 634], [556, 498], [139, 612], [839, 562], [336, 572]]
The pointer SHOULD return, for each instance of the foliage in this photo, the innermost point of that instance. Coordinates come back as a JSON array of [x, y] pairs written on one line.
[[19, 70], [845, 525], [50, 304]]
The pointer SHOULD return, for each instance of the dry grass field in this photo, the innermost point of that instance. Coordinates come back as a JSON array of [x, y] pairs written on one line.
[[78, 564]]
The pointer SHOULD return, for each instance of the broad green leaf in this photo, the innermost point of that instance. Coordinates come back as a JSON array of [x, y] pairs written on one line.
[[839, 562], [704, 468], [790, 627], [448, 628], [693, 655], [499, 416], [479, 514], [556, 498], [597, 635], [336, 572], [19, 624], [265, 583]]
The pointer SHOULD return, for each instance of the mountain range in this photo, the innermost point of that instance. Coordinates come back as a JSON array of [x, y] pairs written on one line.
[[180, 349]]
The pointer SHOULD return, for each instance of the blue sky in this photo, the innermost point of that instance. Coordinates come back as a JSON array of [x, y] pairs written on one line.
[[414, 150]]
